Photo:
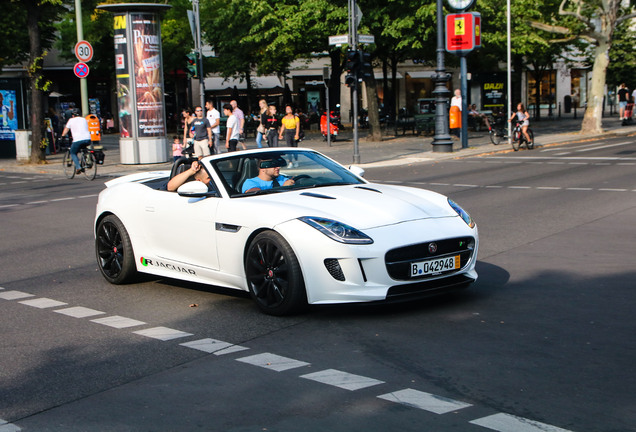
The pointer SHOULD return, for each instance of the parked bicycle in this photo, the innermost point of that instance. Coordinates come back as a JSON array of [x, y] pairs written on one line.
[[498, 134], [88, 158]]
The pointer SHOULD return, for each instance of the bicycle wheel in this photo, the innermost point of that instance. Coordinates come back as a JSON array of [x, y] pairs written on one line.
[[68, 165], [89, 164], [516, 140], [530, 144], [495, 136]]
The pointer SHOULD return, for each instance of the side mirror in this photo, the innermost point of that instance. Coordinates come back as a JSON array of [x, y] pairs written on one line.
[[193, 189], [356, 170]]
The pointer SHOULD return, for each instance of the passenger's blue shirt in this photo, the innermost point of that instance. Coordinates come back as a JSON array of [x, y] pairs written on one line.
[[257, 182]]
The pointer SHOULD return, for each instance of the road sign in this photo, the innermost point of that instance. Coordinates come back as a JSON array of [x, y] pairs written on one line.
[[366, 39], [463, 32], [339, 39], [81, 70], [83, 51]]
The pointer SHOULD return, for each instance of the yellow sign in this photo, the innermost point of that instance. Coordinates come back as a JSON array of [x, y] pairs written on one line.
[[460, 28], [119, 22]]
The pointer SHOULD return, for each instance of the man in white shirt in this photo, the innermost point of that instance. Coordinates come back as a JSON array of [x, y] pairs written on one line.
[[81, 136], [214, 117], [233, 129]]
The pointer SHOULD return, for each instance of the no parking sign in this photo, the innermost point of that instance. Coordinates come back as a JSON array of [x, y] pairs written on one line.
[[80, 70]]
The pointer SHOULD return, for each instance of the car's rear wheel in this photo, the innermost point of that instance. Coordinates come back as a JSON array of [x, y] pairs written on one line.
[[274, 276], [114, 251]]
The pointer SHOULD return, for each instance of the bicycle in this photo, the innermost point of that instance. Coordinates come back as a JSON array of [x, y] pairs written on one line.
[[88, 163], [497, 134]]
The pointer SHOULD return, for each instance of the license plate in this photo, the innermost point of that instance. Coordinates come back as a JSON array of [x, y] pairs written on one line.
[[435, 266]]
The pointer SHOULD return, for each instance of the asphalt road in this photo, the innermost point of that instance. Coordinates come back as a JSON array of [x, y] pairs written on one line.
[[543, 341]]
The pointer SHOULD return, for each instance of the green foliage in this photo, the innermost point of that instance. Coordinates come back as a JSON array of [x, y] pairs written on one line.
[[623, 57]]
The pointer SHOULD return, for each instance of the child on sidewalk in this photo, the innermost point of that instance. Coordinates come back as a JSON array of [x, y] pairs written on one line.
[[176, 147]]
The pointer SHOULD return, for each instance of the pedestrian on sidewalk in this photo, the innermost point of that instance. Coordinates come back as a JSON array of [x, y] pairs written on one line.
[[240, 116], [623, 98]]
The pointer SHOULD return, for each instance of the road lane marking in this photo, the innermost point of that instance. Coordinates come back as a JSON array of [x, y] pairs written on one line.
[[5, 426], [425, 401], [604, 146], [509, 423], [62, 199], [79, 312], [162, 333], [14, 295], [117, 321], [273, 362], [342, 380], [43, 303], [213, 346]]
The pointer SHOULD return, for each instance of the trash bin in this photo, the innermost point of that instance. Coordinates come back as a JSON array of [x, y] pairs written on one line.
[[567, 104], [23, 145]]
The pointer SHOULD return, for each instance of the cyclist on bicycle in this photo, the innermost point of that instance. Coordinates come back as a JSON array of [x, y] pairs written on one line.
[[81, 136], [524, 118]]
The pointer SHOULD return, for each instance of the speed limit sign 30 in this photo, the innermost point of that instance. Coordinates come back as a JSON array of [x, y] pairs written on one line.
[[83, 51]]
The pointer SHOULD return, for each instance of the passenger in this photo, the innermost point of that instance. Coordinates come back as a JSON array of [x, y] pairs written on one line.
[[269, 177], [195, 172]]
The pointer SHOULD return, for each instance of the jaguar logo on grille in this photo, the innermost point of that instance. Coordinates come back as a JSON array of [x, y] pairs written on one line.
[[432, 248]]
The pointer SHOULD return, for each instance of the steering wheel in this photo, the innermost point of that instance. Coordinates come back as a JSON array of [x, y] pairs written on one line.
[[300, 177]]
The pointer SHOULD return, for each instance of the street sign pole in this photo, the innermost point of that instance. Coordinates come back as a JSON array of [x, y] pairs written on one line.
[[354, 20], [80, 37]]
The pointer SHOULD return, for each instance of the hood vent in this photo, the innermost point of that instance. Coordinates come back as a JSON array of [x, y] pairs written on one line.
[[368, 188], [315, 195]]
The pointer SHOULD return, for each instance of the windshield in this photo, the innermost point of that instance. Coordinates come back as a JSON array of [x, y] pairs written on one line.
[[280, 171]]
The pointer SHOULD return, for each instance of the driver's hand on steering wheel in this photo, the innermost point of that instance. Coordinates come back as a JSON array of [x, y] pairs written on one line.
[[289, 182]]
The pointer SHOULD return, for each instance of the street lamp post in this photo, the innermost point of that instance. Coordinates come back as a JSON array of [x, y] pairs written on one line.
[[442, 141]]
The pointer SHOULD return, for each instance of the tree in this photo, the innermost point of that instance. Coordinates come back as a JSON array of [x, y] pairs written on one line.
[[38, 17], [594, 21]]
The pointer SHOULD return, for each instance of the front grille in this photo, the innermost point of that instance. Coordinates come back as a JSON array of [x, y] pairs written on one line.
[[398, 261], [428, 288]]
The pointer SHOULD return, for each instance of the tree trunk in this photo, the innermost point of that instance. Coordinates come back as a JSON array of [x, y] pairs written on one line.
[[592, 120], [35, 76], [372, 106]]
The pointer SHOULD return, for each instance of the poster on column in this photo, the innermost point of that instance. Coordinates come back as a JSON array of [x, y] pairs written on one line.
[[8, 117], [148, 79], [124, 97]]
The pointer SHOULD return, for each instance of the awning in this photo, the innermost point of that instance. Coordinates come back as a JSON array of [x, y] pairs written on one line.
[[380, 75], [220, 83], [421, 74]]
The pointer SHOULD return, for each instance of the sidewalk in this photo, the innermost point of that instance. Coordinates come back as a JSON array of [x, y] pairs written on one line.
[[392, 151]]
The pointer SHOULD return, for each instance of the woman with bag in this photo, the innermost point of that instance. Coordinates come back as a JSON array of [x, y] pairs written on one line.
[[260, 130]]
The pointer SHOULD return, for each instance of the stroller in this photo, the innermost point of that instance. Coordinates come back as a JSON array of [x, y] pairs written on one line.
[[629, 111]]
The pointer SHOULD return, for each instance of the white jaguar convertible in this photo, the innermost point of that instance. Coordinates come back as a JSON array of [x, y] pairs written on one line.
[[290, 226]]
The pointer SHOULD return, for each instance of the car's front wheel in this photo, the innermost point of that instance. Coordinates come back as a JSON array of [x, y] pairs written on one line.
[[274, 276], [114, 251]]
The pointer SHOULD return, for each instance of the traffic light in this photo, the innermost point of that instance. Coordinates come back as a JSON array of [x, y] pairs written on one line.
[[365, 71], [352, 65], [192, 67]]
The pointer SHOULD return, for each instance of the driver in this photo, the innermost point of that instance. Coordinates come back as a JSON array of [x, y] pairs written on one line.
[[269, 177], [193, 173]]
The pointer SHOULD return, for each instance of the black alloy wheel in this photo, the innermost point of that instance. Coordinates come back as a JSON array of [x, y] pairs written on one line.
[[114, 251], [273, 275]]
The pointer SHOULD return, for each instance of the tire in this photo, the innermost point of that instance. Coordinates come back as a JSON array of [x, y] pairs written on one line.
[[68, 165], [495, 136], [90, 165], [516, 140], [274, 276], [530, 144], [114, 251]]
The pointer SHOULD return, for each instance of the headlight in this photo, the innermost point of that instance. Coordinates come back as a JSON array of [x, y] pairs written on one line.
[[337, 231], [462, 213]]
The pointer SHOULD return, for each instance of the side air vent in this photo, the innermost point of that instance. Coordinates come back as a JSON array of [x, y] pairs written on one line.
[[334, 269]]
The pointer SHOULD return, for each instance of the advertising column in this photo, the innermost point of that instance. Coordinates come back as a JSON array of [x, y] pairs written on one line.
[[139, 73]]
